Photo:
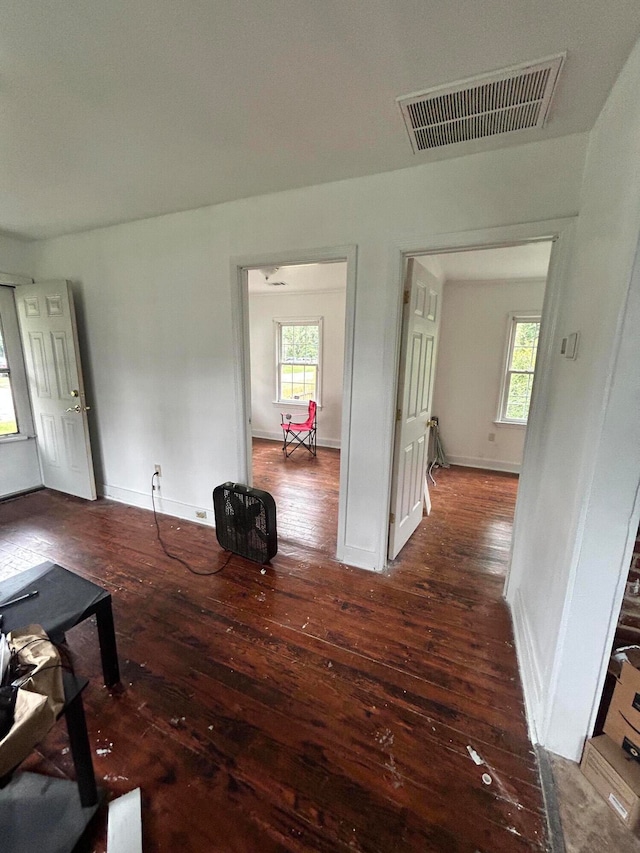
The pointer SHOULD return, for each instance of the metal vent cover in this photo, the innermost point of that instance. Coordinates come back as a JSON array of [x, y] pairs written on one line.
[[515, 98]]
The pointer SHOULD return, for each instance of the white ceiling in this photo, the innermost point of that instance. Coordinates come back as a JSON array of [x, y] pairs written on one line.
[[529, 260], [119, 110], [300, 278]]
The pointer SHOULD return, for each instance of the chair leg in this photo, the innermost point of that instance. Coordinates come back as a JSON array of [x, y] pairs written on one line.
[[293, 440]]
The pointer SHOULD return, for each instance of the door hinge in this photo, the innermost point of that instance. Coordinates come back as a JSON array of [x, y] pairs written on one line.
[[398, 414], [392, 518], [406, 297]]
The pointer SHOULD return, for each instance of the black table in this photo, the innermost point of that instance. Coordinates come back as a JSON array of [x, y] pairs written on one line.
[[64, 599], [50, 814]]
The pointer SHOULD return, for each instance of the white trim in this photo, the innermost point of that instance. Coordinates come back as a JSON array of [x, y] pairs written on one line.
[[241, 372], [528, 665], [486, 464], [626, 317], [164, 506], [257, 294], [510, 424], [273, 436], [360, 558], [17, 494], [14, 280], [294, 404], [559, 230], [527, 491], [239, 266]]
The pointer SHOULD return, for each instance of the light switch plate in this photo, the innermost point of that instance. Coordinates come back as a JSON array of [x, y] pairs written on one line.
[[571, 350]]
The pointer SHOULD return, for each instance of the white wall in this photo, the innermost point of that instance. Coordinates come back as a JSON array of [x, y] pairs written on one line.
[[473, 333], [19, 466], [577, 517], [265, 413], [155, 301], [15, 256], [160, 353]]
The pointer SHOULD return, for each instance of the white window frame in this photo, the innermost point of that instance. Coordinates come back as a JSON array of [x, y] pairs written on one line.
[[278, 323], [514, 318], [15, 360]]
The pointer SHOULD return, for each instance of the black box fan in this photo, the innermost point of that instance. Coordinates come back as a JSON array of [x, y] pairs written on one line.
[[246, 521]]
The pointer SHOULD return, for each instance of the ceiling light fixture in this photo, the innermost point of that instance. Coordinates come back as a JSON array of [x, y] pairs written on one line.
[[267, 272]]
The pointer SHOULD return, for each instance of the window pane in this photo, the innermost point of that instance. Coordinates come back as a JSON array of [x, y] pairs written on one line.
[[298, 381], [287, 353], [523, 359], [300, 344], [519, 398], [525, 346], [527, 334], [8, 422]]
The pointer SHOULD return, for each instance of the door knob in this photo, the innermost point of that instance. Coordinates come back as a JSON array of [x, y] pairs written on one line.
[[79, 408]]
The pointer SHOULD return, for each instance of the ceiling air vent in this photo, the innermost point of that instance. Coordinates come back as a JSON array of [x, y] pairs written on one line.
[[490, 104]]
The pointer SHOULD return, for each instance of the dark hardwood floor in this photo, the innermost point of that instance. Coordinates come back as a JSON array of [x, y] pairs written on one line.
[[305, 489], [312, 707]]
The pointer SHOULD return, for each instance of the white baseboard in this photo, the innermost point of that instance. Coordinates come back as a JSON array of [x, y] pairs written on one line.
[[358, 557], [488, 464], [529, 666], [177, 509], [277, 436]]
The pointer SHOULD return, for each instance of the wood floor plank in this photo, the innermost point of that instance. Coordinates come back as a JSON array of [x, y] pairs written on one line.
[[308, 706]]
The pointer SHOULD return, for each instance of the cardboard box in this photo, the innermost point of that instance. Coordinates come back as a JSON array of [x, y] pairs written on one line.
[[630, 672], [621, 654], [622, 722], [615, 777]]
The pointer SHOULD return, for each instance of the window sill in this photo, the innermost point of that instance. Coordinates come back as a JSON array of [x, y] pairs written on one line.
[[9, 439], [510, 424], [294, 404]]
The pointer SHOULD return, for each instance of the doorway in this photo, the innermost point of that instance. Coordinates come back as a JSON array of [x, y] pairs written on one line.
[[486, 305], [297, 319]]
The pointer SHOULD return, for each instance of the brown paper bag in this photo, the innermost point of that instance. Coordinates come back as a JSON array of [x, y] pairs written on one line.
[[36, 649], [40, 696]]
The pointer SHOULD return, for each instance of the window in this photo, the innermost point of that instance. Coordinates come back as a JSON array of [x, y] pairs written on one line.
[[298, 348], [520, 364], [8, 419], [15, 411]]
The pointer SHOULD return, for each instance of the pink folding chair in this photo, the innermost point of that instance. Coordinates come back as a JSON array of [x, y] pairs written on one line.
[[297, 435]]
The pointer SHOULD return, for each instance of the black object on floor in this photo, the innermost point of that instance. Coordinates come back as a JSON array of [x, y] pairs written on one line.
[[246, 521]]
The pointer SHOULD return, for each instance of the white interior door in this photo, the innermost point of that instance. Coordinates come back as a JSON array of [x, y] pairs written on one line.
[[49, 335], [417, 361]]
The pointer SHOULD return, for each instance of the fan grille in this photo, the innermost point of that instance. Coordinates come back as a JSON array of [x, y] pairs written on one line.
[[245, 521]]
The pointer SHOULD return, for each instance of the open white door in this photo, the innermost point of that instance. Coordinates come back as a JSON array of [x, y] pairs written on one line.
[[417, 360], [50, 340]]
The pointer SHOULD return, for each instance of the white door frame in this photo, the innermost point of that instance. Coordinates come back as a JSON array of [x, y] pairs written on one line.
[[242, 374], [559, 230]]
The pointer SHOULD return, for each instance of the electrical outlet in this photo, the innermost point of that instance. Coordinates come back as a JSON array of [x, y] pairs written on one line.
[[201, 513], [158, 470], [491, 436]]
